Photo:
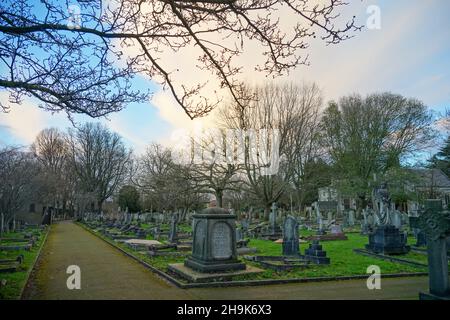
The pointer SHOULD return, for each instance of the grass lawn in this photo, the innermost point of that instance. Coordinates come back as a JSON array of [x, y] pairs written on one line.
[[344, 262], [17, 280]]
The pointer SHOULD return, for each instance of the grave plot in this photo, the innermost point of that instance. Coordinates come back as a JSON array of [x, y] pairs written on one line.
[[18, 252], [291, 257], [11, 265]]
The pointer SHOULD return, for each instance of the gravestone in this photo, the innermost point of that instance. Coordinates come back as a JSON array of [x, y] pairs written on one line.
[[273, 231], [396, 219], [241, 242], [351, 218], [273, 218], [388, 239], [239, 235], [214, 243], [336, 229], [316, 254], [245, 224], [421, 239], [435, 223], [329, 216], [290, 237], [173, 228]]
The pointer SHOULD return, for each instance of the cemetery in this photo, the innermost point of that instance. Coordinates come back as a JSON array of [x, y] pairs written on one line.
[[197, 149], [19, 249], [204, 257]]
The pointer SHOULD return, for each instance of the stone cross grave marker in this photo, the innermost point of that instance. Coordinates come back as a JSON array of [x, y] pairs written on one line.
[[273, 217], [435, 223]]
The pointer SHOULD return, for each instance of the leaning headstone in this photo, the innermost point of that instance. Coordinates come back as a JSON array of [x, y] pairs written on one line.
[[290, 237], [435, 223]]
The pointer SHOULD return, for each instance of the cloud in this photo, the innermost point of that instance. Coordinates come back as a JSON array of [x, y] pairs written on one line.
[[22, 121]]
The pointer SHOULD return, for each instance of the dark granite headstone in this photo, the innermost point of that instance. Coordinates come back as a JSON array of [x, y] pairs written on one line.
[[421, 239], [388, 240], [315, 254], [290, 237]]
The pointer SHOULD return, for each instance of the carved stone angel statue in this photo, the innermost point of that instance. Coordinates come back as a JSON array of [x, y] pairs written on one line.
[[382, 204]]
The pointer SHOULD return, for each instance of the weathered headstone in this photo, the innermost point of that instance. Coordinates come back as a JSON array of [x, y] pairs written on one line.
[[245, 224], [435, 223], [273, 217], [396, 219], [388, 239], [421, 239], [351, 218], [173, 228], [290, 237], [214, 243], [239, 235], [336, 229]]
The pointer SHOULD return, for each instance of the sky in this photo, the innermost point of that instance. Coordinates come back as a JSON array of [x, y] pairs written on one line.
[[409, 54]]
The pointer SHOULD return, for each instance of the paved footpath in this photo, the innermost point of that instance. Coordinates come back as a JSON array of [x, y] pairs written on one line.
[[106, 273]]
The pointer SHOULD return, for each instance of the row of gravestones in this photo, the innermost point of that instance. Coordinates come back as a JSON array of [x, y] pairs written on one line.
[[214, 247]]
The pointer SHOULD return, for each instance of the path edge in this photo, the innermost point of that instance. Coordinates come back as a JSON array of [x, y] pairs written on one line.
[[38, 255]]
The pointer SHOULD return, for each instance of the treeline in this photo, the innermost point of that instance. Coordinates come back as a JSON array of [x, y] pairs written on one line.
[[352, 144]]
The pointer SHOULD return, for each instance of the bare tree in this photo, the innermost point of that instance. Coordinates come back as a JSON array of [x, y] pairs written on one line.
[[211, 167], [152, 175], [17, 172], [51, 151], [99, 159], [291, 111], [165, 184], [75, 62]]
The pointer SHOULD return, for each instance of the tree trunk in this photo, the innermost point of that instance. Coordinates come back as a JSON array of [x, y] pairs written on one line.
[[219, 198], [266, 212], [100, 206]]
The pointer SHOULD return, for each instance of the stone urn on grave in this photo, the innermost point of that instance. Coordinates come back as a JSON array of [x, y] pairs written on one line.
[[214, 242]]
